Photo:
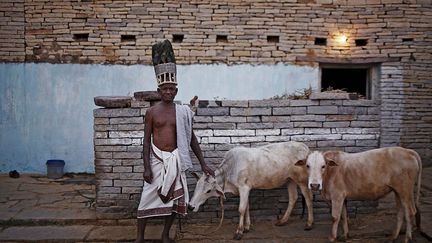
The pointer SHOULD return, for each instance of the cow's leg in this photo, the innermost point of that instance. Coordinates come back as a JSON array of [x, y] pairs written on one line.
[[399, 217], [344, 223], [244, 198], [409, 209], [336, 213], [247, 219], [292, 198], [309, 204]]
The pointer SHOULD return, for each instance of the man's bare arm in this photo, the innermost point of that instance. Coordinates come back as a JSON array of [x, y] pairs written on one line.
[[197, 151], [148, 129]]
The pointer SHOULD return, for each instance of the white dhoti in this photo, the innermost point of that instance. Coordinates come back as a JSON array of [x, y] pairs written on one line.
[[168, 191]]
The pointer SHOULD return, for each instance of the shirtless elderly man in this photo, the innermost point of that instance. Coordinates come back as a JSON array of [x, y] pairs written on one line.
[[168, 135]]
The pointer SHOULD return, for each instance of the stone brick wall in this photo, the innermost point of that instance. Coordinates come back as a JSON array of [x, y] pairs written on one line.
[[213, 31], [397, 34], [12, 31], [349, 125]]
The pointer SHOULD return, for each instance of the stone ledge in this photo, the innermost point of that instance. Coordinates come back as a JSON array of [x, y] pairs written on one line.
[[113, 101], [333, 96]]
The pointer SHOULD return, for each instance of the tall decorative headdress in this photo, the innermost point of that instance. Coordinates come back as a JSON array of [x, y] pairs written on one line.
[[164, 63]]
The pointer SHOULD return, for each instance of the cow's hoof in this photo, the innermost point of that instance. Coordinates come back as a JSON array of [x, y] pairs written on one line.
[[342, 238], [237, 236], [331, 239], [281, 223], [308, 227]]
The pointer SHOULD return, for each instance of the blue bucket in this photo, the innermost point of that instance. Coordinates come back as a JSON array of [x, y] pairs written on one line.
[[55, 168]]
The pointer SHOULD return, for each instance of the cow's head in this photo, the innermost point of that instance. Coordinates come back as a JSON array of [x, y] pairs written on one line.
[[316, 163], [206, 187]]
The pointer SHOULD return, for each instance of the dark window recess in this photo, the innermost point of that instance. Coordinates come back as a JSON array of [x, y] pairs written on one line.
[[407, 39], [221, 38], [128, 38], [352, 80], [273, 39], [361, 42], [81, 37], [320, 41], [178, 38]]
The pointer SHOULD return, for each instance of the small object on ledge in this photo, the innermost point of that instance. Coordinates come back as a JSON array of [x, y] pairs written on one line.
[[147, 96], [14, 174], [333, 96], [113, 101]]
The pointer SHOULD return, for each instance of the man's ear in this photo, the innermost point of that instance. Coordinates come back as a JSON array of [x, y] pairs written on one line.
[[330, 158], [300, 162], [195, 175]]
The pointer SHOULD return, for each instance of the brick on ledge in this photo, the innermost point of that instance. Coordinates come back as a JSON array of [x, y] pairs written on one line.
[[121, 112], [333, 96]]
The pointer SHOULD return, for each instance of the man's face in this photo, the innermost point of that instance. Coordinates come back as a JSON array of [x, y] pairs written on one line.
[[167, 91]]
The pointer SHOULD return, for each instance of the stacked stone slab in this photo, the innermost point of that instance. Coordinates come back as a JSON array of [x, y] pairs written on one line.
[[322, 123]]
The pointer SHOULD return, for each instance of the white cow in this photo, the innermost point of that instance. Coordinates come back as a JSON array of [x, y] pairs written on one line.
[[367, 175], [265, 167]]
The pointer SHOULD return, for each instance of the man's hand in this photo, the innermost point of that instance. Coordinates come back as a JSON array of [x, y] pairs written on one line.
[[207, 170], [148, 175]]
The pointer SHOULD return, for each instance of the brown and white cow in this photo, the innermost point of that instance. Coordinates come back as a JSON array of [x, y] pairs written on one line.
[[265, 167], [368, 175]]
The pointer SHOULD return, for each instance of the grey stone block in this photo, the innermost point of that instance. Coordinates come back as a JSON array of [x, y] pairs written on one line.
[[234, 133], [235, 103], [123, 112], [127, 155], [216, 111], [250, 111], [229, 119], [304, 102], [245, 139], [255, 125], [265, 132], [336, 124], [292, 131], [269, 103], [126, 120], [322, 110]]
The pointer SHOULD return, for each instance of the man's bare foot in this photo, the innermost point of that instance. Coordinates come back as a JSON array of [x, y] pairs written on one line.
[[166, 239]]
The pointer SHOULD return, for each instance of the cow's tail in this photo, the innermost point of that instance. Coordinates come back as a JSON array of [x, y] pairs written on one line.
[[417, 198]]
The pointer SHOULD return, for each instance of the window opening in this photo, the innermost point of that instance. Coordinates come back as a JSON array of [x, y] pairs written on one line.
[[221, 38], [350, 78], [128, 38], [320, 41], [273, 39], [81, 36], [361, 42], [178, 38]]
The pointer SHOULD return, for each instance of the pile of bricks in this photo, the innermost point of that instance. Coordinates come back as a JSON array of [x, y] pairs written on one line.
[[322, 123]]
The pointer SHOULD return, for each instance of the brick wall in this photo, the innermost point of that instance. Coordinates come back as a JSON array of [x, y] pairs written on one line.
[[349, 125], [12, 33], [256, 33]]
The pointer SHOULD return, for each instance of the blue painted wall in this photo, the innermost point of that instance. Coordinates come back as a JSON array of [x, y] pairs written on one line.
[[46, 110]]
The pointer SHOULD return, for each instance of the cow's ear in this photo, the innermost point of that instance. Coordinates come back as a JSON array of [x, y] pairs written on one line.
[[195, 175], [330, 158], [301, 162]]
